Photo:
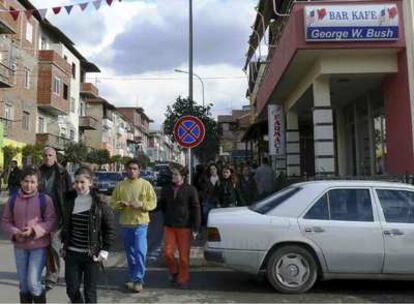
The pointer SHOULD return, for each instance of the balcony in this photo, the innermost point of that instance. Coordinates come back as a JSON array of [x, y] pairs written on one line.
[[52, 140], [7, 24], [87, 123], [107, 123], [130, 137], [89, 90], [120, 131], [53, 58]]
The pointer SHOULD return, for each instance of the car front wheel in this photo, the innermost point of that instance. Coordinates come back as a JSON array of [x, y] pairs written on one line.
[[292, 269]]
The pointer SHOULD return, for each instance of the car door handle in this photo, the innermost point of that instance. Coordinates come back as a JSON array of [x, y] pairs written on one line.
[[314, 229], [393, 232]]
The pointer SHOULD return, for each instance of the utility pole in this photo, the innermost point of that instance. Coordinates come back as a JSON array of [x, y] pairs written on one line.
[[190, 77]]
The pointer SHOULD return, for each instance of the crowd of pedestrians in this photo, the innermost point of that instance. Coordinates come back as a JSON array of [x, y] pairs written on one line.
[[49, 217]]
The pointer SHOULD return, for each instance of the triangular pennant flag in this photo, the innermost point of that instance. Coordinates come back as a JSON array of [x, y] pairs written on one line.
[[97, 4], [15, 14], [83, 5], [68, 8], [57, 9], [42, 12], [109, 2], [29, 14]]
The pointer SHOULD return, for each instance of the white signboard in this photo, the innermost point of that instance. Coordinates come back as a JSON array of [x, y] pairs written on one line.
[[276, 119], [377, 22]]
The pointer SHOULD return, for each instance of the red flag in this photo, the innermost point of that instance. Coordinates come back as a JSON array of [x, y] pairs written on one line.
[[57, 9], [14, 14], [83, 6], [109, 2], [29, 14]]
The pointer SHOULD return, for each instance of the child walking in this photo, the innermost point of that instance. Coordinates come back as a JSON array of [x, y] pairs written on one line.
[[87, 234], [28, 219]]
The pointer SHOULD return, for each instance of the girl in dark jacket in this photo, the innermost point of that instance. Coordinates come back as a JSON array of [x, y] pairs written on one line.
[[87, 234], [229, 195], [181, 210], [211, 191]]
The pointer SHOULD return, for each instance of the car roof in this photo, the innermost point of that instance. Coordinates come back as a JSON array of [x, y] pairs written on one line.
[[353, 183]]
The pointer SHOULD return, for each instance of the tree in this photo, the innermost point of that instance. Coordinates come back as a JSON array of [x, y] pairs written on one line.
[[32, 154], [209, 148], [75, 153], [143, 160], [9, 152], [99, 157], [117, 160]]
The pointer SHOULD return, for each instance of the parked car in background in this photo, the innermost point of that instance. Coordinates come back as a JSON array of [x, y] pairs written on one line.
[[163, 174], [106, 181], [319, 230]]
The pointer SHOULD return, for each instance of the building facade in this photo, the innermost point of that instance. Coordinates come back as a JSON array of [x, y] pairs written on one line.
[[340, 72]]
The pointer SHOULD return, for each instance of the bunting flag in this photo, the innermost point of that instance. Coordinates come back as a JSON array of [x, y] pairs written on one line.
[[83, 6], [97, 4], [68, 8], [57, 9], [14, 14], [42, 12], [29, 14], [109, 2]]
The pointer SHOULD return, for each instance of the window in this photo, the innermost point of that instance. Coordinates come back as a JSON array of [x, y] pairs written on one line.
[[65, 57], [397, 205], [62, 132], [72, 134], [343, 205], [26, 79], [271, 202], [73, 70], [43, 43], [65, 91], [319, 210], [29, 32], [41, 125], [26, 120], [56, 85], [72, 104]]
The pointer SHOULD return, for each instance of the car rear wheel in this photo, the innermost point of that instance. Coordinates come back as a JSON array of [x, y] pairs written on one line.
[[292, 269]]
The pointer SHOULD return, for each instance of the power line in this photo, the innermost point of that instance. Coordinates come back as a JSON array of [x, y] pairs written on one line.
[[121, 78]]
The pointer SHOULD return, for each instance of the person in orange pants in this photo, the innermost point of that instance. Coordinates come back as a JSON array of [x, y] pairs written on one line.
[[182, 218]]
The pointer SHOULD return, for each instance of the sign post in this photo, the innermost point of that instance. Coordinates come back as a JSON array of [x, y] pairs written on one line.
[[189, 132]]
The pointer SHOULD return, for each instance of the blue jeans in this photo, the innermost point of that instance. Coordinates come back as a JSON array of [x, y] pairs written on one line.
[[135, 243], [30, 264]]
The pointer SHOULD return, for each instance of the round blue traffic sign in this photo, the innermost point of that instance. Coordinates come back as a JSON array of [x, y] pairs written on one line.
[[189, 131]]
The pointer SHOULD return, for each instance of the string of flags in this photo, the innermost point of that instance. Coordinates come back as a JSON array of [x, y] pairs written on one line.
[[57, 9]]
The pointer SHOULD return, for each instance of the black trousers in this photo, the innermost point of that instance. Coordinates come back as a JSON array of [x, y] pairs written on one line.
[[78, 265]]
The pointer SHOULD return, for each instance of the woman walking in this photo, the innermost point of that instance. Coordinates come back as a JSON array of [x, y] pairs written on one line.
[[28, 219], [182, 217], [211, 191], [88, 233], [229, 195]]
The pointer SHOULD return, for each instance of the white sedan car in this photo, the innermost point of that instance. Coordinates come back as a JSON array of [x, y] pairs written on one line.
[[321, 229]]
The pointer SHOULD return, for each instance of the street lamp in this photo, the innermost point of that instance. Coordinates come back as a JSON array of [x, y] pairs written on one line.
[[198, 77]]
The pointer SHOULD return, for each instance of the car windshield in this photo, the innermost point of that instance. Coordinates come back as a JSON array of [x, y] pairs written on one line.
[[274, 200], [107, 176]]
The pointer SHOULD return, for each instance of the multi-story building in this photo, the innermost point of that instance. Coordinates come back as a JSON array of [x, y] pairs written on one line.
[[232, 128], [102, 136], [340, 99], [18, 76], [120, 134], [162, 149]]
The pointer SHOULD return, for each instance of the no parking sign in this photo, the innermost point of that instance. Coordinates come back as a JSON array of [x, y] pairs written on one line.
[[189, 131]]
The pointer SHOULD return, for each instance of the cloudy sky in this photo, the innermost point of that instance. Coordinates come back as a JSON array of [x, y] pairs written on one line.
[[138, 43]]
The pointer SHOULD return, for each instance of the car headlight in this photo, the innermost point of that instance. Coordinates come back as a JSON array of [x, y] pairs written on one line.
[[213, 234]]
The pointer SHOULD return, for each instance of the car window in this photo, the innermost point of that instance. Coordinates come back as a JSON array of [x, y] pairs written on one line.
[[319, 210], [350, 205], [271, 202], [108, 176], [397, 205]]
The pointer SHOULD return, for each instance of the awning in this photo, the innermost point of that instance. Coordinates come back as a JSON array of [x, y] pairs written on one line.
[[256, 130]]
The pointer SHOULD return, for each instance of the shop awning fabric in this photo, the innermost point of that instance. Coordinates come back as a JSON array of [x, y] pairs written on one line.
[[255, 131]]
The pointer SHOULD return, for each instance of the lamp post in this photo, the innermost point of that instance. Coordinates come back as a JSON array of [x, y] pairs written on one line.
[[195, 75]]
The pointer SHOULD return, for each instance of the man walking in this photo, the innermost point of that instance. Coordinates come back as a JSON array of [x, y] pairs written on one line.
[[13, 180], [134, 197], [55, 181], [265, 179]]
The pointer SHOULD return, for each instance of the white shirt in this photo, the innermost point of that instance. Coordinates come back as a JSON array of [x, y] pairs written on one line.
[[83, 202]]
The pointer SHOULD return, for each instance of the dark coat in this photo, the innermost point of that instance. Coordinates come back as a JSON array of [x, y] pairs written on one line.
[[229, 194], [182, 211], [13, 180], [63, 184], [211, 192], [248, 189], [102, 231]]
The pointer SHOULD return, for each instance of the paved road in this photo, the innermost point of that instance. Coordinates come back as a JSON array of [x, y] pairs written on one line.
[[209, 283]]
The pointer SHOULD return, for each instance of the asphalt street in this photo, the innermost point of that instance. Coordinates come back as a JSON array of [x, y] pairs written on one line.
[[209, 283]]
